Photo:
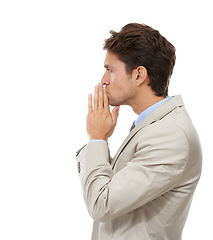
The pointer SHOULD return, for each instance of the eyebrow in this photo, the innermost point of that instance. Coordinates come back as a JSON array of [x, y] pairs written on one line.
[[107, 66]]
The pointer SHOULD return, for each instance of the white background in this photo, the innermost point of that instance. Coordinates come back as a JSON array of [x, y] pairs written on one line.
[[51, 57]]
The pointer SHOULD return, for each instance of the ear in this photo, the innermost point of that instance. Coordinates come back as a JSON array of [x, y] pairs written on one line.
[[140, 75]]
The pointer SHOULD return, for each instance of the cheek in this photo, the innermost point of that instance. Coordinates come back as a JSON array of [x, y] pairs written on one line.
[[116, 81], [122, 84], [116, 85]]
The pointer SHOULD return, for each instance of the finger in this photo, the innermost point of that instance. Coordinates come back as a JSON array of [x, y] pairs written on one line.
[[115, 113], [96, 98], [106, 101], [90, 107], [101, 103]]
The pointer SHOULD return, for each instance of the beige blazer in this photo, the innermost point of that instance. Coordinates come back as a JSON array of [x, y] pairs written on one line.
[[145, 191]]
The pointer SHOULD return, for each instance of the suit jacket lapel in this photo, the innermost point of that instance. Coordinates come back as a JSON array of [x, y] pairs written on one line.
[[154, 116]]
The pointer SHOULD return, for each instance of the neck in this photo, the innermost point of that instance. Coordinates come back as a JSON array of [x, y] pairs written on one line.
[[144, 101]]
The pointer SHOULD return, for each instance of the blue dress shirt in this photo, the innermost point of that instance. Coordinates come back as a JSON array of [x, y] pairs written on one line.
[[146, 112]]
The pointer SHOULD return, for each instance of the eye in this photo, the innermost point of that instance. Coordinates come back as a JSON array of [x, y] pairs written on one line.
[[109, 70]]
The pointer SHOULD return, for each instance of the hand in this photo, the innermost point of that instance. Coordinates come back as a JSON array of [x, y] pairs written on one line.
[[100, 121]]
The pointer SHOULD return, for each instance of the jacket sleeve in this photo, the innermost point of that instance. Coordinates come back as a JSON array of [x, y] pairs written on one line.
[[156, 167]]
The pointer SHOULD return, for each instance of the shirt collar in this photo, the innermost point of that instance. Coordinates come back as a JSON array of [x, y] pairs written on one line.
[[149, 110]]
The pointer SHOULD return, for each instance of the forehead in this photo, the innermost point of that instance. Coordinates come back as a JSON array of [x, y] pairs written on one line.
[[112, 60]]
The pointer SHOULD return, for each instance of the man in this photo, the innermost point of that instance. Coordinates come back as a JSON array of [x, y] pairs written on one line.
[[145, 191]]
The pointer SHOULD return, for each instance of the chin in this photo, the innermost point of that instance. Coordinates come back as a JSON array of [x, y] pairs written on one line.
[[114, 104]]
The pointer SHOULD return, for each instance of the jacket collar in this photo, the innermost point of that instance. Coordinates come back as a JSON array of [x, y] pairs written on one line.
[[154, 116]]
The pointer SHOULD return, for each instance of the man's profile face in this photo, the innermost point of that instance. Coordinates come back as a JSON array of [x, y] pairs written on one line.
[[119, 85]]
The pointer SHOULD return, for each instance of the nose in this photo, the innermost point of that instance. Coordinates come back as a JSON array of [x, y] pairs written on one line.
[[105, 80]]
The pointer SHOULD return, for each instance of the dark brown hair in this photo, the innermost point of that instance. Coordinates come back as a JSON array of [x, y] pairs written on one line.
[[140, 45]]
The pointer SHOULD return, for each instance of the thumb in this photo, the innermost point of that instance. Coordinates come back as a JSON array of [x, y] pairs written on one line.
[[115, 113]]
